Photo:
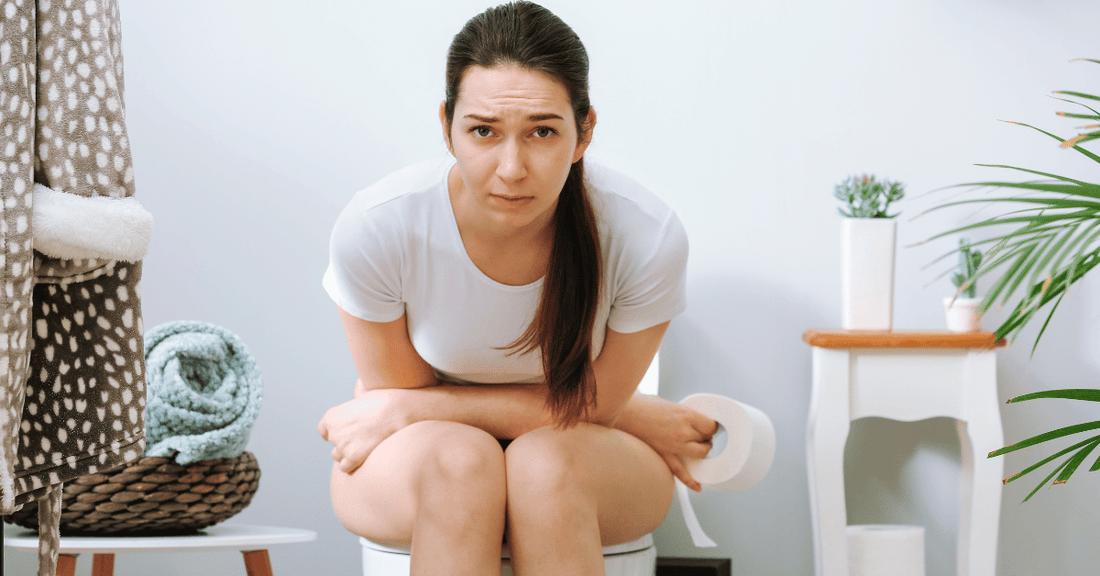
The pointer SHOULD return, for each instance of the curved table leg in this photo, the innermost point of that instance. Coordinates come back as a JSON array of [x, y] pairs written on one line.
[[981, 477], [66, 564], [103, 564], [826, 436], [980, 498], [257, 562]]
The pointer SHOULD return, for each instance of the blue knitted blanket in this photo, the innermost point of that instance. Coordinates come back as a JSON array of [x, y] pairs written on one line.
[[204, 392]]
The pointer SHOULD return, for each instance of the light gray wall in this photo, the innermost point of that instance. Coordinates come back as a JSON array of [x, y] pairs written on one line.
[[253, 122]]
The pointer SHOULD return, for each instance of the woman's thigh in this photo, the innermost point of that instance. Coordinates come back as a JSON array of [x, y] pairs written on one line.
[[630, 484], [379, 500]]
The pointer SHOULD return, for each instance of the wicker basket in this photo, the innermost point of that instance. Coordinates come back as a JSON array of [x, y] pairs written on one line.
[[154, 496]]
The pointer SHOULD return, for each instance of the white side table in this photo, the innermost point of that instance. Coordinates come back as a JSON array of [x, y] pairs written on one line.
[[252, 541], [905, 376]]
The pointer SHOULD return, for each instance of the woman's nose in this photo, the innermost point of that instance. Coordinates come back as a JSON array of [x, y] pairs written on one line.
[[511, 162]]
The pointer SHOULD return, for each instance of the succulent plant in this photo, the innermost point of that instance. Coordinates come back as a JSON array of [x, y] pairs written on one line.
[[969, 261], [866, 197]]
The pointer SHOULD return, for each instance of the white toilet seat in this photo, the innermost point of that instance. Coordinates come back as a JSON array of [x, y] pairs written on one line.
[[624, 548]]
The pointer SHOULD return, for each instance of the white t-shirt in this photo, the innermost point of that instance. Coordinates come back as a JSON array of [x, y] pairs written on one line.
[[396, 250]]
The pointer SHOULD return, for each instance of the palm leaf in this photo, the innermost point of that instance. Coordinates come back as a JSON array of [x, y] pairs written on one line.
[[1077, 94], [1000, 285], [1036, 172], [1092, 156], [1086, 394], [1018, 275], [1069, 247], [1074, 102], [1048, 460], [1085, 116], [1046, 437], [1086, 138], [1047, 479], [1045, 324], [1075, 462], [1019, 317]]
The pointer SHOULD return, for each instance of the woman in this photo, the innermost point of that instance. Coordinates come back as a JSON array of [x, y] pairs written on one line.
[[508, 294]]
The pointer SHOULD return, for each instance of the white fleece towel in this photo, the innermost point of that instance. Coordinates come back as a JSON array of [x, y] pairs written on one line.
[[71, 227]]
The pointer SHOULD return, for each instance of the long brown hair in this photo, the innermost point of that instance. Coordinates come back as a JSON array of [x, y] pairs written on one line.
[[529, 36]]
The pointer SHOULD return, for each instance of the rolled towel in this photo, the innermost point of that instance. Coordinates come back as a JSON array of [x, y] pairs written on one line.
[[204, 392]]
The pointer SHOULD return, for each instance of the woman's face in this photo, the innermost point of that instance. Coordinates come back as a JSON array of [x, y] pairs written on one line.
[[514, 139]]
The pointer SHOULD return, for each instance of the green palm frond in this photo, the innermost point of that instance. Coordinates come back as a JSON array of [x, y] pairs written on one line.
[[1047, 241]]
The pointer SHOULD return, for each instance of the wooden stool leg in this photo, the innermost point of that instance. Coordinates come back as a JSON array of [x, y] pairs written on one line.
[[103, 565], [66, 564], [257, 563]]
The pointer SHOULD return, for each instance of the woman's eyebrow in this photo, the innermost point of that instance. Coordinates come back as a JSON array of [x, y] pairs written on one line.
[[531, 118]]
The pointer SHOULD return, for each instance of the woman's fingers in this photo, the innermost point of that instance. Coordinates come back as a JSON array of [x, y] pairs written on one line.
[[347, 466], [676, 465], [322, 429], [700, 449], [706, 425]]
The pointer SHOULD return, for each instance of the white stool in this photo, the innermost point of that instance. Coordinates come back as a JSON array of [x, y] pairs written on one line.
[[252, 541], [905, 376], [637, 558]]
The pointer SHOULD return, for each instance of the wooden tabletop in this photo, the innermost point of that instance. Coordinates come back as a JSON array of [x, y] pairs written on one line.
[[912, 339]]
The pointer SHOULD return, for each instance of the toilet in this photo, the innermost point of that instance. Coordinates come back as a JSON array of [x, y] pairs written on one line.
[[635, 558]]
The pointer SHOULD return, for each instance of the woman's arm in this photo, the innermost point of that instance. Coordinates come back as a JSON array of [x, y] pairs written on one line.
[[508, 411], [511, 410], [397, 387], [384, 355]]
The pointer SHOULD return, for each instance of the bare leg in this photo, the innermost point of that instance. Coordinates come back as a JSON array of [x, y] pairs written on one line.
[[437, 486], [571, 492]]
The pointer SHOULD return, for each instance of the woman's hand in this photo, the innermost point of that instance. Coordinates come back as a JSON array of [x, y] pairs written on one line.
[[673, 430], [357, 426]]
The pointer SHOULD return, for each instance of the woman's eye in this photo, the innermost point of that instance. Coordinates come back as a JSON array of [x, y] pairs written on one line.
[[481, 131], [545, 132]]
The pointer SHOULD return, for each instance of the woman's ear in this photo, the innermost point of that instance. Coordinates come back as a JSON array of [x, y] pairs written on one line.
[[446, 128], [585, 137]]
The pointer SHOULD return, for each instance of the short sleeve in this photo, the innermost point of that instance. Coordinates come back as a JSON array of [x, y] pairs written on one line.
[[364, 271], [654, 289]]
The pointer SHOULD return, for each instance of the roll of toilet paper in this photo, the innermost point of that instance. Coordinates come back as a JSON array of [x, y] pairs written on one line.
[[746, 458], [885, 550], [750, 444]]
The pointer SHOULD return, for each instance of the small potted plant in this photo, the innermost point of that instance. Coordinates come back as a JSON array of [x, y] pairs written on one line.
[[868, 238], [962, 307]]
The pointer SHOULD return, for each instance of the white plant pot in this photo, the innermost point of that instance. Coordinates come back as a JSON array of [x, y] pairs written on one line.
[[962, 314], [867, 273]]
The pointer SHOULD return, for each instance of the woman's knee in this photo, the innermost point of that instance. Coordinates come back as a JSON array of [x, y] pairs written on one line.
[[457, 453], [548, 460], [425, 460]]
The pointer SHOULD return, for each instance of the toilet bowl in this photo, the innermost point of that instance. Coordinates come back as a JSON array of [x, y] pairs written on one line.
[[635, 558]]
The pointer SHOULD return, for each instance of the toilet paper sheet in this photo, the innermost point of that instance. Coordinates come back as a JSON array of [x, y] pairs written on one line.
[[745, 460]]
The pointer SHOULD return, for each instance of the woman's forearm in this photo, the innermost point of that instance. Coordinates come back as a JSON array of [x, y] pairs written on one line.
[[503, 410]]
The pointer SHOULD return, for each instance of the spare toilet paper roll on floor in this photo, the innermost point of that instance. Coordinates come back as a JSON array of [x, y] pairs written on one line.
[[885, 550], [746, 458]]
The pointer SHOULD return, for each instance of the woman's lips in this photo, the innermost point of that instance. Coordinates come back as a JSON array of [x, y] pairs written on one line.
[[512, 201]]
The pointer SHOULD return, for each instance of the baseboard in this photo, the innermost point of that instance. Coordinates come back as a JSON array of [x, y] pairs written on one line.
[[693, 567]]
